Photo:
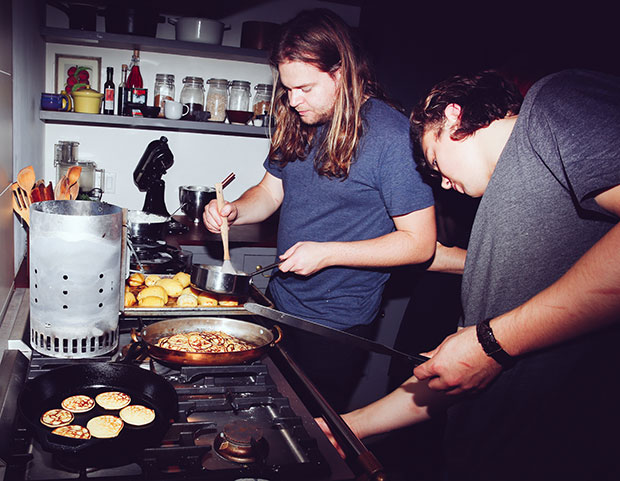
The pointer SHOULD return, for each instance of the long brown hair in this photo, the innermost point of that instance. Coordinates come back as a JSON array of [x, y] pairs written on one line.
[[321, 38]]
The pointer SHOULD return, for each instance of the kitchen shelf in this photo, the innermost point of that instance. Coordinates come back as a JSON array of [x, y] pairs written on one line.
[[101, 120], [150, 44]]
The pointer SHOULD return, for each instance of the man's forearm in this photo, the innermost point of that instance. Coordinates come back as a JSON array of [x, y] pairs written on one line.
[[255, 205], [450, 260], [411, 403], [413, 242], [394, 249]]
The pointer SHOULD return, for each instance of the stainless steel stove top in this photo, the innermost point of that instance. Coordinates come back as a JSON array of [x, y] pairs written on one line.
[[234, 422]]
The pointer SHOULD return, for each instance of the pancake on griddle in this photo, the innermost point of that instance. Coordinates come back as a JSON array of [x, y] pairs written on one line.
[[106, 426], [78, 403], [137, 415], [56, 417], [113, 400], [73, 431]]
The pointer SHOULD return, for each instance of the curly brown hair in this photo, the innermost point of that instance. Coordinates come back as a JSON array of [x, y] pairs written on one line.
[[322, 39], [483, 98]]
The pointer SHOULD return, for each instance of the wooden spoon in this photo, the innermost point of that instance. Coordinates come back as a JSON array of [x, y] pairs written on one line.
[[227, 267], [22, 209], [26, 179], [61, 188], [74, 191], [74, 174]]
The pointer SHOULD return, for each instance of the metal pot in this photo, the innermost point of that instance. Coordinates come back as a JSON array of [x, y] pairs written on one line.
[[132, 18], [82, 15], [193, 199], [260, 336], [215, 279], [196, 29], [142, 224]]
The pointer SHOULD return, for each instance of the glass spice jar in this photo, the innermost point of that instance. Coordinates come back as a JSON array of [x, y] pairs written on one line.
[[164, 90], [239, 95], [261, 104], [193, 95], [217, 99]]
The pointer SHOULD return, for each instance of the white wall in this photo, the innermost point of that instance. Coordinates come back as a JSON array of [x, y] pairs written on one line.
[[29, 82]]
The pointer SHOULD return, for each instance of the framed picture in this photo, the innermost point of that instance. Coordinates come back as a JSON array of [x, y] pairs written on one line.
[[91, 74]]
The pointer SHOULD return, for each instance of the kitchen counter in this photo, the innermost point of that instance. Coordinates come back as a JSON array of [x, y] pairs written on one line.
[[262, 234]]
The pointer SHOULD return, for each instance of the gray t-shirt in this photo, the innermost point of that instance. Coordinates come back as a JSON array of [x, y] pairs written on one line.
[[383, 182], [548, 416]]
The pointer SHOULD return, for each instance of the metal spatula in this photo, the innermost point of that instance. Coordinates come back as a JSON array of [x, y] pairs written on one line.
[[227, 266]]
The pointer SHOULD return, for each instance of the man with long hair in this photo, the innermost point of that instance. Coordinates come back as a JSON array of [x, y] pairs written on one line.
[[352, 204], [532, 377]]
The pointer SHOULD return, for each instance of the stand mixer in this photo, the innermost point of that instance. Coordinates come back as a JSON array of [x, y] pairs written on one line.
[[147, 176]]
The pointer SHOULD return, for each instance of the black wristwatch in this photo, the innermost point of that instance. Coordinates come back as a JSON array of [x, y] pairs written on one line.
[[490, 345]]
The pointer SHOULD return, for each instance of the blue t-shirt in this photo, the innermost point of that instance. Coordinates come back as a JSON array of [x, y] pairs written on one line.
[[383, 182]]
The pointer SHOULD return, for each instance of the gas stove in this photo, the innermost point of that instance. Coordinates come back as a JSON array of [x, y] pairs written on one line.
[[245, 421], [153, 256]]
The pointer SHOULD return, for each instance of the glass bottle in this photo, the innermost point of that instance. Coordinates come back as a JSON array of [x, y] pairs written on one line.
[[239, 95], [109, 91], [135, 77], [164, 90], [217, 98], [193, 95], [123, 93], [261, 105]]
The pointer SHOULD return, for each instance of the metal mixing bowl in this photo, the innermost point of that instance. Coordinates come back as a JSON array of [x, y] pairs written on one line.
[[193, 199]]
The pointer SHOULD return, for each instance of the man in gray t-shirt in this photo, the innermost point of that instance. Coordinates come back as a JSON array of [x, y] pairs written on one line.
[[532, 377]]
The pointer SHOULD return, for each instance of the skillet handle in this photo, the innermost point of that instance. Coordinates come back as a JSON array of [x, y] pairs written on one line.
[[279, 338], [136, 348]]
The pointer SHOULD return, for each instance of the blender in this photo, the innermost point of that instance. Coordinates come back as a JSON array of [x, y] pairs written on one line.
[[91, 178]]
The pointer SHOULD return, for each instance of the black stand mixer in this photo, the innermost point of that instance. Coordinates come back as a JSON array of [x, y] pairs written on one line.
[[153, 164]]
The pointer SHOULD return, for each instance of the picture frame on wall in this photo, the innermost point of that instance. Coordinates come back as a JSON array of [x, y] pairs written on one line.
[[65, 62]]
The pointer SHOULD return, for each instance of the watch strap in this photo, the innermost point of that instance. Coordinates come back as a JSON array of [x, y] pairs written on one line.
[[491, 347]]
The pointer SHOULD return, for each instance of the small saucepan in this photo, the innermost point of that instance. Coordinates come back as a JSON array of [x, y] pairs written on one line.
[[214, 279]]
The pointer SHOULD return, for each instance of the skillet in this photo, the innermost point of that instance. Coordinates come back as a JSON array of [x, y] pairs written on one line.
[[262, 337], [47, 391]]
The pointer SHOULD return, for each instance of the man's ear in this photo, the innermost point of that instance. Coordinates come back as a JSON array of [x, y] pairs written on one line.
[[337, 75], [453, 114]]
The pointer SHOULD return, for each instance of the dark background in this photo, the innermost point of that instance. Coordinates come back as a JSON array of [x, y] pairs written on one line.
[[415, 44]]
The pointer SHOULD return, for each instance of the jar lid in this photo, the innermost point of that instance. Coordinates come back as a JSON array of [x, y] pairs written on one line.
[[197, 80], [218, 82], [164, 77], [264, 87], [240, 83]]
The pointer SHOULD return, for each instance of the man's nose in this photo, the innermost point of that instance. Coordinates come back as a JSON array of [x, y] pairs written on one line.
[[294, 98]]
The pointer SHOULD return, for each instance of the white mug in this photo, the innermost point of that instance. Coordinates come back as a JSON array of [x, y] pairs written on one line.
[[175, 110]]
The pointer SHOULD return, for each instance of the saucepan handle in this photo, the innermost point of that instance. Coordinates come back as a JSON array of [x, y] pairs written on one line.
[[136, 348], [279, 338]]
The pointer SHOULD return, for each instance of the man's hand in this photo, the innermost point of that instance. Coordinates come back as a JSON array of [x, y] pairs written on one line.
[[305, 258], [212, 217], [458, 365]]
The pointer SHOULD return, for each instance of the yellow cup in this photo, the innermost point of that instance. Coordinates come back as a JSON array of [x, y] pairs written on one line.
[[87, 101]]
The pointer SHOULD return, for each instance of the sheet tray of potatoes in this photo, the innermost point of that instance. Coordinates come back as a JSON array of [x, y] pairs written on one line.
[[158, 295]]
